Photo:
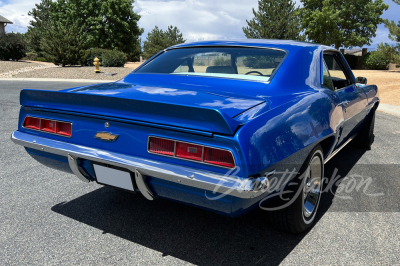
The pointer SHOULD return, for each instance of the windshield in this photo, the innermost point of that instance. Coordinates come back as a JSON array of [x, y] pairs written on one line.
[[223, 62]]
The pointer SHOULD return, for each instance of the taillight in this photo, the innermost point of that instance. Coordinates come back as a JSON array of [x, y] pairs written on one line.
[[162, 146], [191, 151], [32, 123], [49, 126], [218, 157], [64, 128]]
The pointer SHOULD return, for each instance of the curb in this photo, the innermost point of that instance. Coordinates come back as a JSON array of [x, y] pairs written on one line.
[[389, 109], [59, 80]]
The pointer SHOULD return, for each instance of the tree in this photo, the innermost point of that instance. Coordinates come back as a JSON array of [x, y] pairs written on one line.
[[275, 19], [12, 46], [158, 40], [41, 15], [64, 44], [109, 24], [392, 52], [342, 23]]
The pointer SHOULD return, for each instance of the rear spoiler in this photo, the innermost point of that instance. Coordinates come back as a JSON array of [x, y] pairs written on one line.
[[191, 117]]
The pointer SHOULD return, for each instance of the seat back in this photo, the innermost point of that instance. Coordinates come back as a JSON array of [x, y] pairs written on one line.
[[221, 69]]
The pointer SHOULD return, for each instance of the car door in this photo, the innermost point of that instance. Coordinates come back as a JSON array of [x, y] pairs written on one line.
[[351, 98]]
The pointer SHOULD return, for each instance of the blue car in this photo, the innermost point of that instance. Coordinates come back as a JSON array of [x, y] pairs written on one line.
[[228, 126]]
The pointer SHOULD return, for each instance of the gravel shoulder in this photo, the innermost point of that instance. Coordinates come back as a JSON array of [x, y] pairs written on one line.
[[76, 72], [6, 66]]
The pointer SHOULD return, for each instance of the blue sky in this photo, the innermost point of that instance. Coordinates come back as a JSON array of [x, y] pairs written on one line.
[[197, 19]]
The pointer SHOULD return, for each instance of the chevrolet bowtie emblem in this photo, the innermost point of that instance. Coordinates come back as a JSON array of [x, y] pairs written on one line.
[[106, 136]]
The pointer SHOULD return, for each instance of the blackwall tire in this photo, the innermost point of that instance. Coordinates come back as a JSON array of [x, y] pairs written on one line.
[[300, 215]]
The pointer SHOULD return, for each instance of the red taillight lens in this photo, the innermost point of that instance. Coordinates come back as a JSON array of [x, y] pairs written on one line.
[[161, 146], [189, 151], [64, 128], [48, 126], [219, 157], [32, 123]]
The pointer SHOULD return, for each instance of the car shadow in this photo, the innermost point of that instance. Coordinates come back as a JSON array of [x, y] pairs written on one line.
[[188, 233], [335, 170]]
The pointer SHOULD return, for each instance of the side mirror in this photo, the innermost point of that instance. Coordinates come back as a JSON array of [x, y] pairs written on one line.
[[361, 80]]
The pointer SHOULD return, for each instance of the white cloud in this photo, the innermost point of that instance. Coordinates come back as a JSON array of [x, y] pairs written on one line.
[[17, 12], [197, 20]]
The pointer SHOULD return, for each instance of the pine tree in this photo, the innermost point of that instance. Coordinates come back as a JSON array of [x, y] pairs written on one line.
[[157, 40], [275, 19]]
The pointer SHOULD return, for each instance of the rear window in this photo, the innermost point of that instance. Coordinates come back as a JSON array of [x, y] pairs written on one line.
[[222, 62]]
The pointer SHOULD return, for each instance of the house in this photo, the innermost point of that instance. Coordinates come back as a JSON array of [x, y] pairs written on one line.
[[3, 24]]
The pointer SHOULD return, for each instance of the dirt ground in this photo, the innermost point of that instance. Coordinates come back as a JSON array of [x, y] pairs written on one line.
[[388, 83]]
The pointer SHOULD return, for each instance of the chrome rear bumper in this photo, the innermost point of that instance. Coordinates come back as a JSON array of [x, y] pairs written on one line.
[[230, 185]]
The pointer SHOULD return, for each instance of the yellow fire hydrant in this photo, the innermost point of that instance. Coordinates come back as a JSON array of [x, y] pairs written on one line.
[[96, 64]]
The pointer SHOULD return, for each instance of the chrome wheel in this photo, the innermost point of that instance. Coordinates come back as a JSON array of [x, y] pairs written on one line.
[[312, 188]]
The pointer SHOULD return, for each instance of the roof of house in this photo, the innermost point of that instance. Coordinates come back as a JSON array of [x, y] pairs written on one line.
[[4, 20]]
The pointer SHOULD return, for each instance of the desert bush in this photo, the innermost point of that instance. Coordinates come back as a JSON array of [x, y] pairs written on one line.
[[41, 59], [113, 58], [12, 46], [31, 56], [351, 60], [375, 61], [221, 61]]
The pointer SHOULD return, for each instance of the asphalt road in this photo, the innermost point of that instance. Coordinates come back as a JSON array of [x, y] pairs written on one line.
[[48, 217]]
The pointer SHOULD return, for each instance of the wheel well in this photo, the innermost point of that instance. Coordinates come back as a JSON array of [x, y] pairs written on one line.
[[326, 145]]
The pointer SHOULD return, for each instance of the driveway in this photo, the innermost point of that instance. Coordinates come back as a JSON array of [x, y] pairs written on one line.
[[49, 217]]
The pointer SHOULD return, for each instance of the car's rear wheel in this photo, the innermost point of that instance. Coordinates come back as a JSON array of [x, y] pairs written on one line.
[[365, 135], [305, 197]]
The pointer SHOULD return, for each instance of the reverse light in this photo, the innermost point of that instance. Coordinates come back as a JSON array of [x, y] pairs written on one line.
[[191, 151], [48, 125]]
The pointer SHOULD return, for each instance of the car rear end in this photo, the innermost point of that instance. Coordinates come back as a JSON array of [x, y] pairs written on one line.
[[197, 167]]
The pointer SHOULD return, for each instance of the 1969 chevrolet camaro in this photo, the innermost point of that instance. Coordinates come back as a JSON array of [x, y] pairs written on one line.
[[214, 124]]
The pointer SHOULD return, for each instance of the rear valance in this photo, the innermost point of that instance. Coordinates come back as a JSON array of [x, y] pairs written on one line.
[[193, 117]]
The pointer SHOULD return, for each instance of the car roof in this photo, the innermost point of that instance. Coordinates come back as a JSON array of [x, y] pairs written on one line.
[[262, 43]]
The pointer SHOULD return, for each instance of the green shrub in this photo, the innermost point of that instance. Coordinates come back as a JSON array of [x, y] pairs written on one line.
[[31, 56], [221, 61], [108, 58], [41, 59], [351, 60], [89, 56], [112, 58], [12, 46], [375, 61]]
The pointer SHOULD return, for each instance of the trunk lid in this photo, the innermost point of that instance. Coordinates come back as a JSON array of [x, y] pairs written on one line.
[[206, 110]]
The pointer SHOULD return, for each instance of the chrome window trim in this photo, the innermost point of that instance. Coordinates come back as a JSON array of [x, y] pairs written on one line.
[[198, 144], [40, 125]]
